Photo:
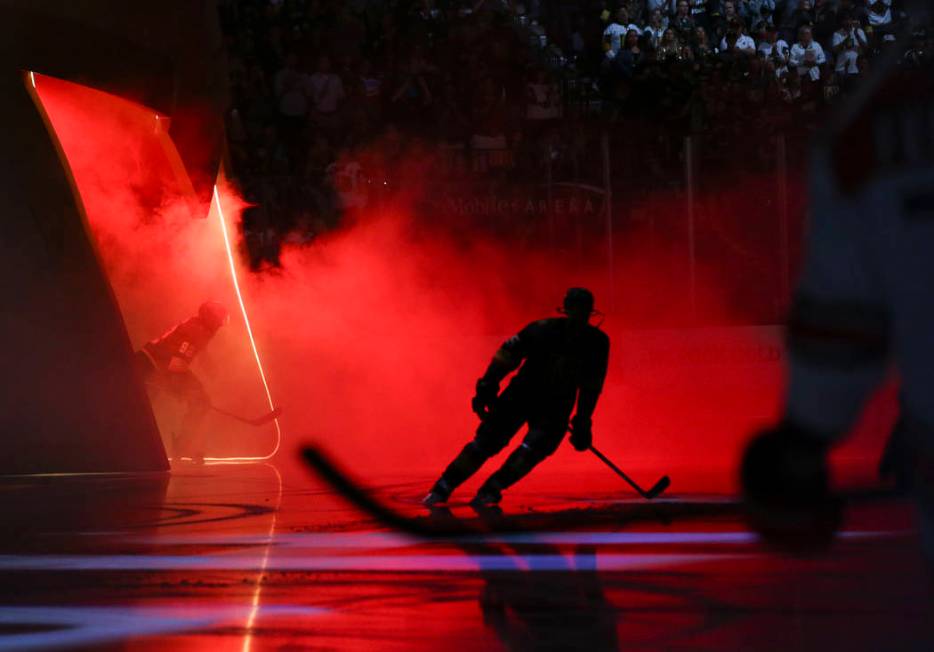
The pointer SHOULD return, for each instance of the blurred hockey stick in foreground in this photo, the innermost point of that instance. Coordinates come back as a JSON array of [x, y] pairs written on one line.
[[617, 515]]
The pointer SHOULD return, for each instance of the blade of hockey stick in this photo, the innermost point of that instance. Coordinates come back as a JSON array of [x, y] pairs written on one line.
[[663, 483], [258, 421], [656, 489]]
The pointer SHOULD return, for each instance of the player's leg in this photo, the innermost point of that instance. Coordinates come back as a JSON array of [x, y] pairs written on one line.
[[197, 406], [542, 440], [493, 433]]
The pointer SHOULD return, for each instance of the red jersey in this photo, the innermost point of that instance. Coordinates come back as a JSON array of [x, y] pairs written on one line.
[[182, 343]]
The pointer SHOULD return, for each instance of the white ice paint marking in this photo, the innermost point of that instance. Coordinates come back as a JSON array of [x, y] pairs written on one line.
[[91, 626]]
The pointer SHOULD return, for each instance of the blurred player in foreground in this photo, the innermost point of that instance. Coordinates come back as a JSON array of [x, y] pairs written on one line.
[[865, 303]]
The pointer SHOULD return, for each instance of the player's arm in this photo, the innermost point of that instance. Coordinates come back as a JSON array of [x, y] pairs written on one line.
[[509, 355], [507, 359], [182, 357], [592, 383], [590, 389]]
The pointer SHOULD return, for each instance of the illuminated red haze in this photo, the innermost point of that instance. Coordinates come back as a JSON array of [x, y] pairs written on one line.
[[374, 334]]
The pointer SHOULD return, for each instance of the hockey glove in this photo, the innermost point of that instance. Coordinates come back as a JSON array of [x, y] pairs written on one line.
[[485, 397], [786, 489], [581, 433]]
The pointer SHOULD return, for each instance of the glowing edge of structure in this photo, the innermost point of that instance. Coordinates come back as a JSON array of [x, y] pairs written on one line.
[[233, 275], [249, 332]]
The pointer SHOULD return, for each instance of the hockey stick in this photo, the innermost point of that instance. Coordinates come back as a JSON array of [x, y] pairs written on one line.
[[258, 421], [430, 527], [656, 489]]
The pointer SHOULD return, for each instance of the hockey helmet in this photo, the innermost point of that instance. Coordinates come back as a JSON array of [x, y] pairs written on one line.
[[578, 302], [213, 314]]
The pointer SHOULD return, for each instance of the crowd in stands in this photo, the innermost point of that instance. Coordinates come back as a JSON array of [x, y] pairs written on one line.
[[492, 82], [789, 50]]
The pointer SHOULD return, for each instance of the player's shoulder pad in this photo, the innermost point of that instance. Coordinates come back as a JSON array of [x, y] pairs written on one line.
[[540, 324], [599, 334]]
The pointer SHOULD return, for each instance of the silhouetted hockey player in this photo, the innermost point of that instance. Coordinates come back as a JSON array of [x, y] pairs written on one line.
[[563, 359], [165, 363]]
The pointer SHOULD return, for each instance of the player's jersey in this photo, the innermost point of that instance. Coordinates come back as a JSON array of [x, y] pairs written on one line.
[[866, 297], [559, 357], [182, 344]]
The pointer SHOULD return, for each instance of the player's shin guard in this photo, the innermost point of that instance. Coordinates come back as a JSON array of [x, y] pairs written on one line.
[[517, 466], [468, 462]]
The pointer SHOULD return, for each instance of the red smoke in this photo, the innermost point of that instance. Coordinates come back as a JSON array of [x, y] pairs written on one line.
[[374, 334], [163, 257]]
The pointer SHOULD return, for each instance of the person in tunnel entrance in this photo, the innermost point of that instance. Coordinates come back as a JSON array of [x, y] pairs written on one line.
[[563, 360], [165, 364]]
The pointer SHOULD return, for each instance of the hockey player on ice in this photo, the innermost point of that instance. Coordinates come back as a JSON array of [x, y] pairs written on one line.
[[563, 360], [865, 302], [165, 363]]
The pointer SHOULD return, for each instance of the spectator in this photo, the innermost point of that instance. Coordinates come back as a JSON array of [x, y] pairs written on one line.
[[699, 12], [658, 23], [327, 93], [543, 99], [683, 22], [787, 11], [488, 118], [630, 57], [605, 13], [670, 46], [827, 17], [702, 47], [756, 11], [920, 53], [292, 89], [807, 56], [721, 26], [804, 15], [412, 93], [737, 41], [372, 87], [578, 40], [636, 11], [350, 183], [774, 50], [880, 13], [291, 86], [848, 43], [616, 31]]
